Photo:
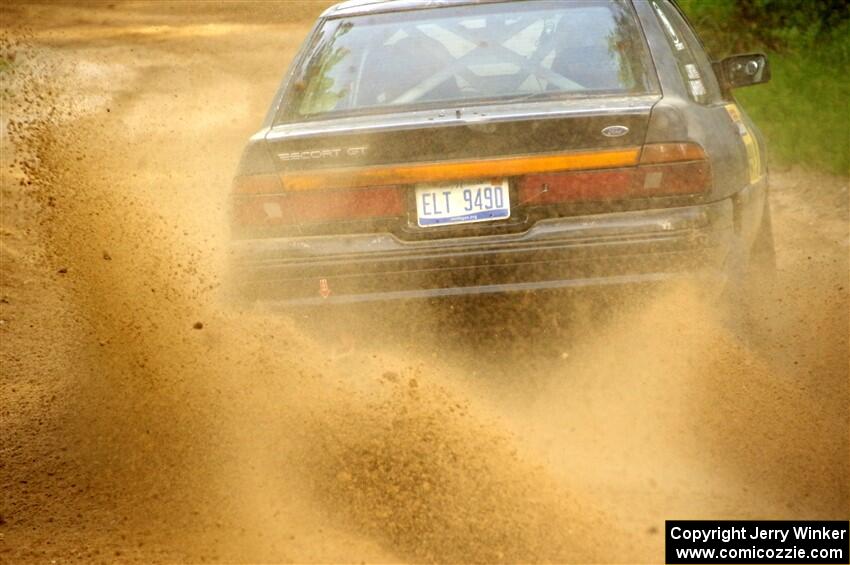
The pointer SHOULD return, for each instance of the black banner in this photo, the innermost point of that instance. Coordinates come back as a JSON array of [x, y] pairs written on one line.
[[746, 541]]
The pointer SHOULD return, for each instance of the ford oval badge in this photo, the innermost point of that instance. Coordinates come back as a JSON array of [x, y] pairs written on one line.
[[615, 131]]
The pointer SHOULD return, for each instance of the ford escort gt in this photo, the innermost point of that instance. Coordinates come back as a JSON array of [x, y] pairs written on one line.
[[423, 148]]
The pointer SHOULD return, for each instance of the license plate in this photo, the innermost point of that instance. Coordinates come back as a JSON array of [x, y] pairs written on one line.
[[462, 203]]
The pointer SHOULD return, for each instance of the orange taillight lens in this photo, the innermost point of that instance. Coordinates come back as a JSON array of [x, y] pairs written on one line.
[[257, 184], [457, 170]]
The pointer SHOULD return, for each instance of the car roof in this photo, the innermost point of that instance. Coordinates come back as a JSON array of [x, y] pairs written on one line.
[[361, 7]]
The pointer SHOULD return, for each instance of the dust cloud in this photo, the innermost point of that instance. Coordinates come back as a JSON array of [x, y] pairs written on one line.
[[147, 419]]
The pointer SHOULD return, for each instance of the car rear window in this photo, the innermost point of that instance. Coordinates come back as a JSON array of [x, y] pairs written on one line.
[[469, 54]]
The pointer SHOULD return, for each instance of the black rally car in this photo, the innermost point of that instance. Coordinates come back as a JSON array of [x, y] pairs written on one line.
[[424, 148]]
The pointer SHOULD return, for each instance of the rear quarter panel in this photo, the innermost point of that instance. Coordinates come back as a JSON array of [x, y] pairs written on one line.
[[709, 125], [732, 141]]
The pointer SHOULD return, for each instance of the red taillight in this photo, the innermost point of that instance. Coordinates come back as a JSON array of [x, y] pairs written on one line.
[[671, 179], [664, 169], [380, 202], [318, 206], [565, 187]]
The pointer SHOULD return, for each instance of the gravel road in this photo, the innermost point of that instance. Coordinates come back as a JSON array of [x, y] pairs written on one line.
[[146, 420]]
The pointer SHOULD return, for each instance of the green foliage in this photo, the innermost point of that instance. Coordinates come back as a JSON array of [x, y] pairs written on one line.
[[781, 23], [774, 25], [803, 113], [804, 110], [320, 95]]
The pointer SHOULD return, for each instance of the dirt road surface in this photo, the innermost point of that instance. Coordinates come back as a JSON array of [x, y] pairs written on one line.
[[145, 420]]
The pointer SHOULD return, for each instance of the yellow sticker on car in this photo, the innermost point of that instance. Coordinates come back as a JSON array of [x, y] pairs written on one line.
[[750, 143]]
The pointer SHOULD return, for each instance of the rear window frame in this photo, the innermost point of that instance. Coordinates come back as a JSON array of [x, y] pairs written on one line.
[[286, 111], [692, 50]]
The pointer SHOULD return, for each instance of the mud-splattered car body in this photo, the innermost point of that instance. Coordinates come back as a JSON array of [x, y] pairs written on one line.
[[446, 150]]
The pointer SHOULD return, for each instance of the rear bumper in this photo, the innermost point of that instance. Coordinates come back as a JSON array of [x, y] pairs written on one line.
[[605, 249]]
